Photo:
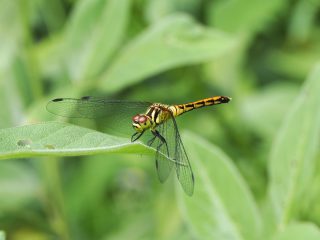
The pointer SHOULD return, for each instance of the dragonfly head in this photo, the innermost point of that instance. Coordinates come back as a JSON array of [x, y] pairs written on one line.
[[141, 122]]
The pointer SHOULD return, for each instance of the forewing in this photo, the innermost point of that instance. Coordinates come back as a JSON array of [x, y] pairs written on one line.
[[91, 107], [116, 113]]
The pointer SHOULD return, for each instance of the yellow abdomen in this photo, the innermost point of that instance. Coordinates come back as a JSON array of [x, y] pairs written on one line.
[[182, 108]]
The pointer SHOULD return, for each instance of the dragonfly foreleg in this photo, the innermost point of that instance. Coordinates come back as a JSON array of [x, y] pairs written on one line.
[[136, 136], [162, 140]]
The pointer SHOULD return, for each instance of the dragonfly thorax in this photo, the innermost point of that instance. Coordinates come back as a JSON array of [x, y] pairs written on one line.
[[158, 113]]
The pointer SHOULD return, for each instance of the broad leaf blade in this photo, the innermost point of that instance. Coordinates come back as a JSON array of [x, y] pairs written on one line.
[[256, 109], [19, 184], [247, 16], [95, 33], [60, 139], [222, 206], [175, 41], [157, 9], [299, 231], [292, 159]]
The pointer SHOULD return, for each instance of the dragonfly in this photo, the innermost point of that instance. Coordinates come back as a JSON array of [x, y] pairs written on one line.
[[141, 117]]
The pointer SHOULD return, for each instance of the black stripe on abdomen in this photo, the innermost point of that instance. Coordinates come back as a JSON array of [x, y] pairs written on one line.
[[190, 105], [200, 104]]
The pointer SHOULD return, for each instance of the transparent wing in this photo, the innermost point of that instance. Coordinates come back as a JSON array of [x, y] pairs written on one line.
[[91, 107], [116, 113], [164, 150], [175, 151], [183, 167]]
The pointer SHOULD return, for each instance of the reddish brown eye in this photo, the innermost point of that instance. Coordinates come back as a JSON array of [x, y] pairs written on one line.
[[135, 118], [142, 119]]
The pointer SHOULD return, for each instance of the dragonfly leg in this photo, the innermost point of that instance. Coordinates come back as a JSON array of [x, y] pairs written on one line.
[[150, 142], [136, 136], [162, 139]]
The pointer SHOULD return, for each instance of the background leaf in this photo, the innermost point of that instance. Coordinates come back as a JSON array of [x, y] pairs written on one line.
[[157, 9], [274, 98], [299, 231], [103, 29], [292, 159], [237, 16], [175, 41], [13, 176], [222, 206]]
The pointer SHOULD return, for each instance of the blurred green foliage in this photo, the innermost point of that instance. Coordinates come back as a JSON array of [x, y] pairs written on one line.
[[255, 160]]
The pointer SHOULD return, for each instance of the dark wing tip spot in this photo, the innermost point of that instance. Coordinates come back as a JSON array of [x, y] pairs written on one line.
[[57, 100]]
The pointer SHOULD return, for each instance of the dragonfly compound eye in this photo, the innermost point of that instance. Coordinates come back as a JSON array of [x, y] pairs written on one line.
[[136, 118], [142, 119], [139, 122]]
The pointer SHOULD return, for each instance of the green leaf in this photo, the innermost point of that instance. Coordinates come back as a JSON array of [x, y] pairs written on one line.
[[50, 56], [299, 231], [274, 99], [135, 229], [94, 34], [175, 41], [247, 16], [61, 139], [11, 31], [222, 206], [292, 159], [303, 20], [88, 185], [52, 12], [2, 235], [157, 9], [282, 60], [11, 111], [19, 185]]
